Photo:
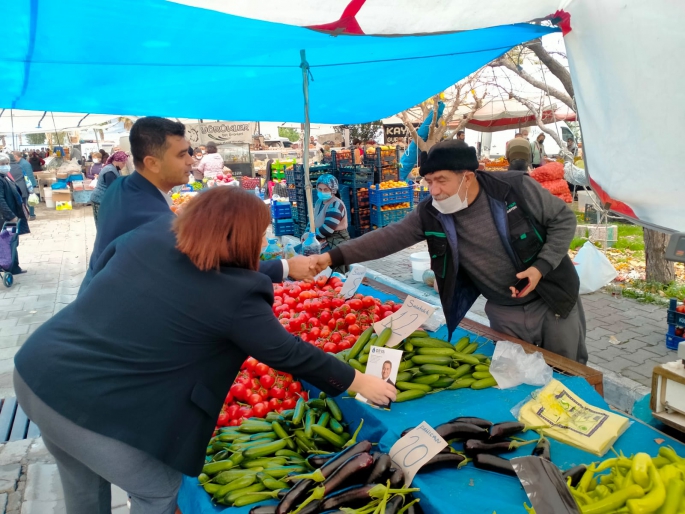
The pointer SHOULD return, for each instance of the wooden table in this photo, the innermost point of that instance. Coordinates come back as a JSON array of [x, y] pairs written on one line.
[[559, 363]]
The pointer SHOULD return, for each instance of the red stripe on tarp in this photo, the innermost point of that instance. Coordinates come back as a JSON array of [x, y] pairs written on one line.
[[614, 205], [347, 24], [563, 20]]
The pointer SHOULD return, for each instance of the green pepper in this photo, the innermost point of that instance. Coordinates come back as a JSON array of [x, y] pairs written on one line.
[[670, 454], [299, 411], [640, 469], [675, 492], [585, 480], [651, 501], [602, 491], [670, 472], [613, 501]]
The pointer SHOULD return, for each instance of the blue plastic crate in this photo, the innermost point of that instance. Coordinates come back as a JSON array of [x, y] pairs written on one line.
[[280, 211], [674, 317], [337, 162], [380, 197], [283, 227], [672, 340], [296, 175], [355, 176], [82, 196], [382, 218]]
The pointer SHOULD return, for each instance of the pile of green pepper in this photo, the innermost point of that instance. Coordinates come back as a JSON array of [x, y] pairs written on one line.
[[247, 464], [635, 485]]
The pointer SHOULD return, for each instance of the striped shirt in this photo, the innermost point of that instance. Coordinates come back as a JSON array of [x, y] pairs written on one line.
[[329, 216]]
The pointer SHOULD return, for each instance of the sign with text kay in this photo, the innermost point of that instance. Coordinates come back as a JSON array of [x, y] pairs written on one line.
[[403, 322]]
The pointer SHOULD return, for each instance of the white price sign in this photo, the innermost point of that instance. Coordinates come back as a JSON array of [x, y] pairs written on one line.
[[324, 274], [410, 317], [352, 282], [415, 449]]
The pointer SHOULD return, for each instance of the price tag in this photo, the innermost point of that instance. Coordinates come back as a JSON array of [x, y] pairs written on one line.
[[352, 282], [411, 316], [326, 274], [415, 449]]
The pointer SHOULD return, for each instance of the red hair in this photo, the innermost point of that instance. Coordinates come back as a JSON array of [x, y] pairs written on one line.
[[222, 227]]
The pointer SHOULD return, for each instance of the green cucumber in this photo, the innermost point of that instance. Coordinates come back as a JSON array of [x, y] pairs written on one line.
[[436, 351], [405, 386], [462, 383], [406, 396], [444, 381], [481, 375], [361, 342], [484, 383], [404, 376], [431, 359], [426, 379], [470, 348], [265, 449], [461, 344], [467, 359]]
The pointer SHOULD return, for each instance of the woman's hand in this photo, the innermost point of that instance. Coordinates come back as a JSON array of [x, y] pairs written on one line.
[[374, 389]]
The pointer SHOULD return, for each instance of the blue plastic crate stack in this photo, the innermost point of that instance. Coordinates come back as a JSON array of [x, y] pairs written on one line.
[[357, 179], [379, 198], [676, 326], [339, 160], [420, 195], [384, 162], [294, 179], [281, 219]]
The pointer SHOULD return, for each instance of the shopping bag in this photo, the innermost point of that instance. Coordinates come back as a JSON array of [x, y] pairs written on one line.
[[5, 249], [33, 200], [29, 185], [594, 269]]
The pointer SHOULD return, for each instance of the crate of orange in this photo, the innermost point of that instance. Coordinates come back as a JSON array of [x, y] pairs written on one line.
[[390, 192]]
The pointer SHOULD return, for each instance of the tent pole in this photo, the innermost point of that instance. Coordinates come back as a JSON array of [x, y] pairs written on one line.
[[305, 155]]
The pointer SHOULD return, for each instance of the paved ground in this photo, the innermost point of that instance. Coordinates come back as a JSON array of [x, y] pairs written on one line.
[[623, 336]]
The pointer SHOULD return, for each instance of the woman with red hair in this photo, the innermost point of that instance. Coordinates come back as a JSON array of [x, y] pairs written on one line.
[[131, 397]]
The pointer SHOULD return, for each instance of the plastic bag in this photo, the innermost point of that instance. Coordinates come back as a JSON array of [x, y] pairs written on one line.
[[575, 175], [512, 366], [29, 185], [594, 269], [33, 200], [548, 172]]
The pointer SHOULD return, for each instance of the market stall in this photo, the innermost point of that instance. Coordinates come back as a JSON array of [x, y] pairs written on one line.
[[469, 488]]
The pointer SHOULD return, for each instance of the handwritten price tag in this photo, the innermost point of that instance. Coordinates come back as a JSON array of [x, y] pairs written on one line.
[[403, 322], [415, 449], [352, 282], [324, 274]]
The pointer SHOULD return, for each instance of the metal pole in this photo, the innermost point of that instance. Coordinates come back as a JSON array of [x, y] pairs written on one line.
[[305, 156]]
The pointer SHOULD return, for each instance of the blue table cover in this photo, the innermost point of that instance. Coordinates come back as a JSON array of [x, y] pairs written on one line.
[[467, 490]]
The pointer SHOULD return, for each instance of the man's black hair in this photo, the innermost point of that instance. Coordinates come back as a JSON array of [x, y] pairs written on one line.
[[460, 133], [387, 362], [518, 165], [148, 137]]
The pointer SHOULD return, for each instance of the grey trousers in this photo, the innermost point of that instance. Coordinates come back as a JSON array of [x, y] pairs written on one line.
[[89, 463], [535, 323]]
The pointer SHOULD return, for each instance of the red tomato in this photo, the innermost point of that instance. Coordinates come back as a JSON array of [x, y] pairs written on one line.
[[295, 290], [250, 363], [325, 332], [295, 387], [234, 423], [355, 304], [336, 337], [314, 322], [232, 411], [368, 301], [350, 339], [396, 307], [254, 399], [307, 304], [299, 308], [274, 404], [325, 303], [337, 302], [255, 383], [279, 291], [338, 314], [386, 314], [290, 302], [304, 337], [351, 319], [260, 409], [325, 316], [315, 332], [277, 393], [245, 412], [376, 318], [305, 285], [344, 345], [354, 329], [223, 419], [295, 325], [305, 395], [267, 381], [332, 323], [288, 403], [330, 348], [261, 369], [239, 390], [321, 281]]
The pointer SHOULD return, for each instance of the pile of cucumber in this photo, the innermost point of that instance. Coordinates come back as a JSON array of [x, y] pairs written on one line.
[[247, 464], [428, 364]]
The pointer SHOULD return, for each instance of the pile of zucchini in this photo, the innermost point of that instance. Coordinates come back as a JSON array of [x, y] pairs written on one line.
[[429, 365], [246, 464]]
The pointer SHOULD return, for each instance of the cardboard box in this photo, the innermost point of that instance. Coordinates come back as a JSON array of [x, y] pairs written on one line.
[[60, 196]]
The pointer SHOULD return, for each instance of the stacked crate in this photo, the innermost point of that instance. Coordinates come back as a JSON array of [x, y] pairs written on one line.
[[281, 219], [676, 325], [383, 202], [296, 193], [385, 163], [356, 181]]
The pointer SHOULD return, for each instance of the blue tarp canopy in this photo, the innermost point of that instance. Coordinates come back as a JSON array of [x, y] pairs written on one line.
[[153, 57]]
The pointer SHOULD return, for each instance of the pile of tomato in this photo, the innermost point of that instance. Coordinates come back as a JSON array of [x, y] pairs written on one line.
[[319, 315], [258, 390]]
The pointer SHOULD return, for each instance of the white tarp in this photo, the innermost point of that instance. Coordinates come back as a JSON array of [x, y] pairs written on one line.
[[21, 121]]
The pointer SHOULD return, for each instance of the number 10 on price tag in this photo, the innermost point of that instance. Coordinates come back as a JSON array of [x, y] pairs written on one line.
[[415, 449], [411, 316]]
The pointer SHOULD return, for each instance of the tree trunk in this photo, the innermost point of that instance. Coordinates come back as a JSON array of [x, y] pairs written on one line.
[[658, 268]]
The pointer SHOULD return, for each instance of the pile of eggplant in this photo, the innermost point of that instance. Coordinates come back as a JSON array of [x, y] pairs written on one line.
[[355, 479], [483, 442]]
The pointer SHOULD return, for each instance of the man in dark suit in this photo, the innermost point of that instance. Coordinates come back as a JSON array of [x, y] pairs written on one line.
[[161, 158], [385, 375]]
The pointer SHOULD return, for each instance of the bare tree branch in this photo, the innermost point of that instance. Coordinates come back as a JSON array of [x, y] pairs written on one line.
[[557, 69], [412, 130], [506, 62]]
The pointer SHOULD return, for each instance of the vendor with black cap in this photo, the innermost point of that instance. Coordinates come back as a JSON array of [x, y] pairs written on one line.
[[500, 235]]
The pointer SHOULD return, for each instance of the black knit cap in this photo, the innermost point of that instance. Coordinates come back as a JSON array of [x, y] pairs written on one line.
[[452, 155]]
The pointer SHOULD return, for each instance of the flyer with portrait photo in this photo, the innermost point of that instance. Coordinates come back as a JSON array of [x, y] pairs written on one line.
[[383, 363]]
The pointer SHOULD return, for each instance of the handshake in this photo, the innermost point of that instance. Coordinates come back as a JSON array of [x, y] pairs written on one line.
[[306, 268]]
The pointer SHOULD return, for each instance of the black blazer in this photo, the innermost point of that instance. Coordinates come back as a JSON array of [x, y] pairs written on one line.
[[148, 351], [132, 201]]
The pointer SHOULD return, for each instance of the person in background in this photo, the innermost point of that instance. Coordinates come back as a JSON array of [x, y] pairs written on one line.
[[525, 133], [42, 153], [104, 155], [197, 157], [109, 173], [36, 162], [358, 151], [330, 215], [94, 388], [572, 147], [95, 169], [537, 148], [76, 154], [518, 154], [460, 141], [18, 174], [12, 207], [212, 163]]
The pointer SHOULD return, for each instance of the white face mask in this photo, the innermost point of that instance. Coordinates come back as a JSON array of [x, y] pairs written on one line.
[[96, 161], [454, 203], [5, 169]]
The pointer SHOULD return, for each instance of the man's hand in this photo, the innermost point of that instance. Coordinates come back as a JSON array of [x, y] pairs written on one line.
[[374, 389], [321, 262], [533, 276], [302, 268]]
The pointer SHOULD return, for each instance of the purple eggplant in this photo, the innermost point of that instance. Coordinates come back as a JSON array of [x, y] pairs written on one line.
[[353, 497], [473, 446], [507, 429], [479, 422], [380, 469], [318, 461], [295, 496], [542, 449], [443, 460], [458, 430], [346, 471], [396, 478], [575, 473], [394, 505], [332, 464], [493, 463], [264, 509], [311, 508]]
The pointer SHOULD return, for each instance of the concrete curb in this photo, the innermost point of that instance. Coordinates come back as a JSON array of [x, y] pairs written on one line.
[[620, 392]]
